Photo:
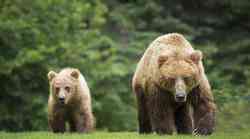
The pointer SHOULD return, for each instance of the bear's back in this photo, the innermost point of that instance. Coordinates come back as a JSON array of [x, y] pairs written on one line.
[[172, 42]]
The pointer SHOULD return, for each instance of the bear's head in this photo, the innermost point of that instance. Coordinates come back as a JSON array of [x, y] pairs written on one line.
[[63, 85], [179, 75]]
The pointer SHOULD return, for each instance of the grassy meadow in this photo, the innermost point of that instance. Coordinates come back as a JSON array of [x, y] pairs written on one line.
[[117, 135]]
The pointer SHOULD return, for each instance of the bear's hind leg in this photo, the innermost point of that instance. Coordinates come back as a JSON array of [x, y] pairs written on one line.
[[82, 122], [89, 121], [72, 126], [183, 120], [143, 117], [78, 122]]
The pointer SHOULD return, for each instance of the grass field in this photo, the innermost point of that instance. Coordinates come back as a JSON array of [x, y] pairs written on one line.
[[116, 135]]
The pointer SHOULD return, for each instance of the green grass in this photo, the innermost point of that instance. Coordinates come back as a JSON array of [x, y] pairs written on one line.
[[116, 135]]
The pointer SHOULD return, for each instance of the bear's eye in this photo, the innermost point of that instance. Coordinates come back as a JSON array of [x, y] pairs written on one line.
[[188, 80], [57, 89], [171, 80], [67, 89]]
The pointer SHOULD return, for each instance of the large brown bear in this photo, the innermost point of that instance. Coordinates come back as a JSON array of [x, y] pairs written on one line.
[[69, 101], [172, 90]]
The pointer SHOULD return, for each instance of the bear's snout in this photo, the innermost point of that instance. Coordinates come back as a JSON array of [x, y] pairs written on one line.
[[180, 97], [62, 100]]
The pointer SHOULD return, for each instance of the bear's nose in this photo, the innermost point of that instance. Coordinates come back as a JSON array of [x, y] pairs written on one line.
[[181, 95], [61, 99]]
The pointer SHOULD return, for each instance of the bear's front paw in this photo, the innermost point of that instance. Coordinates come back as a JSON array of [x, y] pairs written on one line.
[[206, 125], [203, 131]]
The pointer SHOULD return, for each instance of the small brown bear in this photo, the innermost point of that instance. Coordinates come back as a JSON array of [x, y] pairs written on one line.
[[172, 90], [69, 101]]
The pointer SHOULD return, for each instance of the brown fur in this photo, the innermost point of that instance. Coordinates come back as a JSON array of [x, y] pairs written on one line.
[[76, 109], [166, 58]]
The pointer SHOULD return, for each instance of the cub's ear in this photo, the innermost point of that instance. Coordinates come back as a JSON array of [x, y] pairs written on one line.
[[162, 59], [196, 56], [51, 75], [75, 73]]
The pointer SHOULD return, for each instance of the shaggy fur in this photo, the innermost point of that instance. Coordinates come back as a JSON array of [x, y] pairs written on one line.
[[154, 84], [76, 108]]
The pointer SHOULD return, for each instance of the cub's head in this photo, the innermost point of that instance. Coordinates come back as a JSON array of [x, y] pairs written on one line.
[[63, 85], [179, 75]]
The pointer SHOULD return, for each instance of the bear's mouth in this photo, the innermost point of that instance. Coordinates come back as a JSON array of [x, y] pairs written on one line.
[[61, 100], [180, 98]]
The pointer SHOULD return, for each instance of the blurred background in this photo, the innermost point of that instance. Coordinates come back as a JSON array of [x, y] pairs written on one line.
[[105, 39]]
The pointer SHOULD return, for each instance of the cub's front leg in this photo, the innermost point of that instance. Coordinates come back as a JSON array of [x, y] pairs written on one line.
[[56, 124]]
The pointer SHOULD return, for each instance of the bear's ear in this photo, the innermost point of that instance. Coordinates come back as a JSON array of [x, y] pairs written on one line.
[[162, 59], [75, 73], [196, 56], [51, 75]]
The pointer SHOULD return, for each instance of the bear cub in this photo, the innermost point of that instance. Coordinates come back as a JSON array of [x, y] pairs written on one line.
[[69, 101]]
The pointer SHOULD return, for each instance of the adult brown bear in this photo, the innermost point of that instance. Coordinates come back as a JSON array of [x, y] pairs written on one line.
[[69, 101], [172, 90]]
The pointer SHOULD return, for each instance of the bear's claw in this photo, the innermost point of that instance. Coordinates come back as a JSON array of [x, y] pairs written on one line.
[[202, 131]]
